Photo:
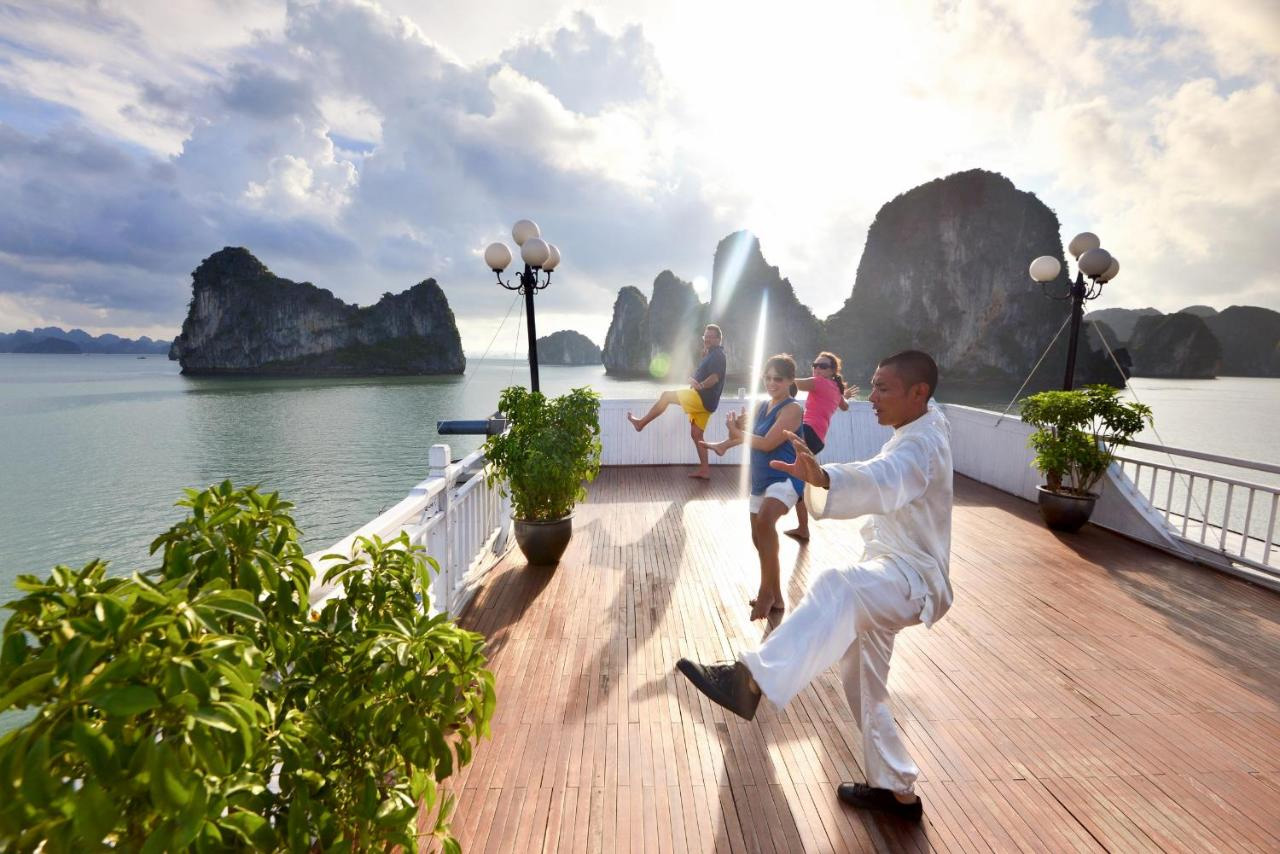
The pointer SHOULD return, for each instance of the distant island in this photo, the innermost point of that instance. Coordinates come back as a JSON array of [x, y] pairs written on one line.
[[53, 339], [567, 347], [245, 320], [1197, 341]]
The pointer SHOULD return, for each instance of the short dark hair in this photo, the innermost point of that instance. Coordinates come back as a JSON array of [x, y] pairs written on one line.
[[915, 366], [716, 329]]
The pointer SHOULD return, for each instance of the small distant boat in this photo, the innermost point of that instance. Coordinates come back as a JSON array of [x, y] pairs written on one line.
[[142, 357]]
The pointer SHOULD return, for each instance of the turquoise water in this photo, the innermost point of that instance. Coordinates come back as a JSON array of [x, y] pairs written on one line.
[[94, 450]]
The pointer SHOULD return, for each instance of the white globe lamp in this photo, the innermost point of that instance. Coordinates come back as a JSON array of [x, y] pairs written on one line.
[[497, 256], [553, 258], [1045, 268], [1082, 243], [535, 252], [525, 229], [1094, 262]]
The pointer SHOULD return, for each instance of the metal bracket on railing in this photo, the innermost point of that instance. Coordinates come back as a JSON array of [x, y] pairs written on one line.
[[491, 426]]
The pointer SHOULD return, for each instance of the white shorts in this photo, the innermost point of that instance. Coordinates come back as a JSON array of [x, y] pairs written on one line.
[[781, 490]]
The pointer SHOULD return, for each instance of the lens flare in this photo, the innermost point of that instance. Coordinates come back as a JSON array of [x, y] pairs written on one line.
[[660, 366], [757, 365], [730, 273]]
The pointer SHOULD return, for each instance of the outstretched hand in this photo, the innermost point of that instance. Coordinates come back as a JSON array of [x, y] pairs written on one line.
[[806, 467], [850, 392], [733, 421]]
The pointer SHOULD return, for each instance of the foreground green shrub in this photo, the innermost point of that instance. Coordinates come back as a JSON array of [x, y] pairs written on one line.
[[203, 705]]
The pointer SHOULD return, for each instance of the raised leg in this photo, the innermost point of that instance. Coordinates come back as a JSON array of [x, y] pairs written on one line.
[[660, 405]]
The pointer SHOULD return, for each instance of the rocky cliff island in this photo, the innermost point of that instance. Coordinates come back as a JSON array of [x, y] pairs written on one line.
[[944, 270], [243, 319], [567, 347]]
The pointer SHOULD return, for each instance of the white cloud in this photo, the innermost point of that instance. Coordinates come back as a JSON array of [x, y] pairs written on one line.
[[365, 146], [1242, 36]]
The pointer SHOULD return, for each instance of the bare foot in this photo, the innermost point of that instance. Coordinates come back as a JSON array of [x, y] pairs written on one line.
[[701, 475], [797, 534], [714, 446], [635, 422]]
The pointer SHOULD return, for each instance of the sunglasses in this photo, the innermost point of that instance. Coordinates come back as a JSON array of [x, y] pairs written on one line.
[[823, 365]]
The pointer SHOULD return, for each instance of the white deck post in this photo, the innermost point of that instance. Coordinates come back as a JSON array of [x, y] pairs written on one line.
[[440, 541]]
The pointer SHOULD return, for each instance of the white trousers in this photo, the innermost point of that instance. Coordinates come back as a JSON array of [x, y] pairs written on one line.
[[849, 615]]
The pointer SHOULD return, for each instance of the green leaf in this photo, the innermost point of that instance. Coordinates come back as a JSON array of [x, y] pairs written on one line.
[[95, 813], [19, 695], [14, 651], [216, 718], [245, 825], [238, 603], [127, 700], [36, 786], [97, 749], [168, 790]]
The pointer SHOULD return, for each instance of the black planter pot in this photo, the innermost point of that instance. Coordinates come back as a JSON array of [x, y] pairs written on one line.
[[1063, 511], [544, 542]]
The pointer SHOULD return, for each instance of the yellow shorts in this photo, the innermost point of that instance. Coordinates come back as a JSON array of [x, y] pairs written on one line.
[[691, 403]]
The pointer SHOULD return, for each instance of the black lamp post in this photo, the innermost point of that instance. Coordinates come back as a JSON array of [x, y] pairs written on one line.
[[537, 254], [1092, 261]]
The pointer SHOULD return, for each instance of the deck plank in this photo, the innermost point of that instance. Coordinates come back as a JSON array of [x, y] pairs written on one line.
[[1084, 693]]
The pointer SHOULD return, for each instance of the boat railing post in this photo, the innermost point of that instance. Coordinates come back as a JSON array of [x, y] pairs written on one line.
[[440, 543]]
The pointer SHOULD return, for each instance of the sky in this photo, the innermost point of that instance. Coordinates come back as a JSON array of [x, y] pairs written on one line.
[[365, 145]]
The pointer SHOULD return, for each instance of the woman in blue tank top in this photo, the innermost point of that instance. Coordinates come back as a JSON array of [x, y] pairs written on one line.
[[773, 493]]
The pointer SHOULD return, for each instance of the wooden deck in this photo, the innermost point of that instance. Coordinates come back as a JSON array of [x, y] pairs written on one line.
[[1084, 693]]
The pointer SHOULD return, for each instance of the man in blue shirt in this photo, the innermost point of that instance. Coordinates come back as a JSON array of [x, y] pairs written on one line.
[[699, 400]]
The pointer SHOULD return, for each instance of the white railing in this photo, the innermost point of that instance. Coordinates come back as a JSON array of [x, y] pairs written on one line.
[[464, 525], [985, 446], [1220, 511], [1220, 519]]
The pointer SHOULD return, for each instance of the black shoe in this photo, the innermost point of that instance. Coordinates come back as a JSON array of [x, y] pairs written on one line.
[[870, 798], [728, 684]]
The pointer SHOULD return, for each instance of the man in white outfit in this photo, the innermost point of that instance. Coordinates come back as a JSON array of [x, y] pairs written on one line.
[[850, 615]]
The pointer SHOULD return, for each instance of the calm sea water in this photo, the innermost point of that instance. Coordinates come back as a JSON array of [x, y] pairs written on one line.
[[95, 450]]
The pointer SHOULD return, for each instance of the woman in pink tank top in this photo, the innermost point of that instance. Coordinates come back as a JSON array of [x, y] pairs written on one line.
[[826, 391]]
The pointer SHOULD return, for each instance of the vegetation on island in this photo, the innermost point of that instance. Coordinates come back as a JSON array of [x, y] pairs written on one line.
[[205, 705]]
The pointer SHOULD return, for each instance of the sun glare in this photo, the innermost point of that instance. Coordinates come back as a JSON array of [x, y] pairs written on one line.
[[757, 361]]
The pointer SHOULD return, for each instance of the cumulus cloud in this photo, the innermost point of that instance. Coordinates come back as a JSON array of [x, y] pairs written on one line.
[[587, 69], [365, 146]]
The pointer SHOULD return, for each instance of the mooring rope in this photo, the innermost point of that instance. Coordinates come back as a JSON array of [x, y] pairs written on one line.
[[1033, 370], [496, 332]]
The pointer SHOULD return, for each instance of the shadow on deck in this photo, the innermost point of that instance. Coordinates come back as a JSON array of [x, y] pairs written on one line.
[[1084, 693]]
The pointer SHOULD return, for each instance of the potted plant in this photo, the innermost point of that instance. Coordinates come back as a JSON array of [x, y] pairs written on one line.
[[549, 450], [1074, 444]]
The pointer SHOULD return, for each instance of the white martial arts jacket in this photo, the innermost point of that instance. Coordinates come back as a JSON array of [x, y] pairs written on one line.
[[907, 491]]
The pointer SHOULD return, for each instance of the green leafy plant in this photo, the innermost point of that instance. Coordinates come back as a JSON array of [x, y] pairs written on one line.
[[1077, 434], [203, 705], [550, 449]]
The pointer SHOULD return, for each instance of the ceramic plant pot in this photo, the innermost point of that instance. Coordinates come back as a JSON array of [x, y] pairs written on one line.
[[1065, 512], [543, 543]]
